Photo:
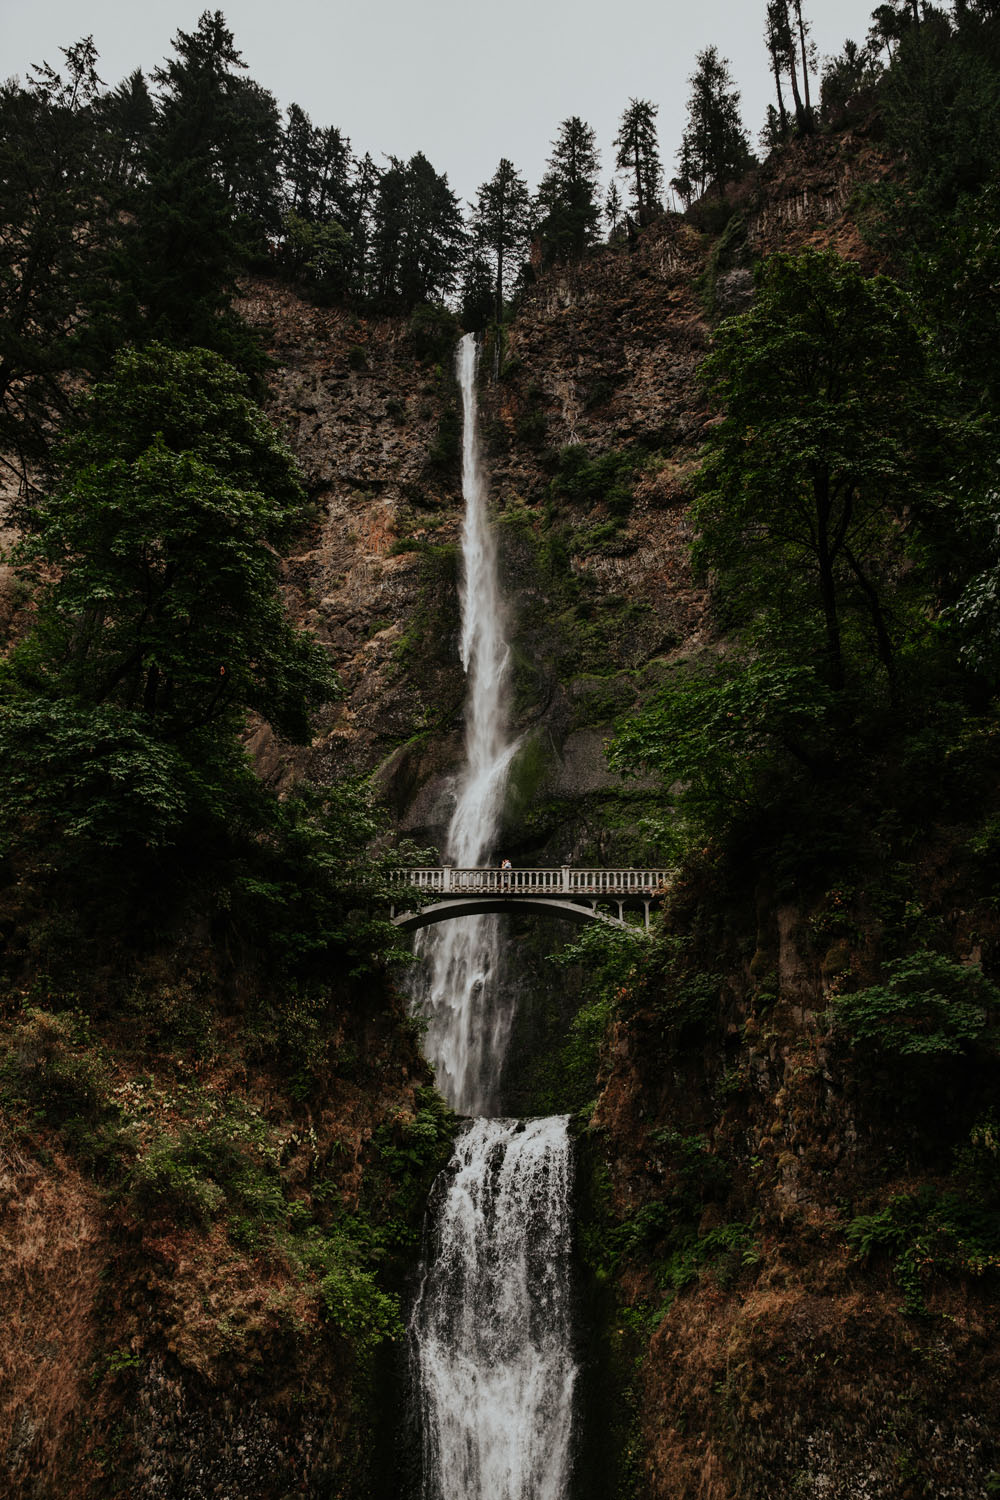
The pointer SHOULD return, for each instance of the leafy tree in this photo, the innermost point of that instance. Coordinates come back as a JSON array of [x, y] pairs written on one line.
[[162, 623], [928, 1007], [831, 434], [318, 255], [501, 227], [639, 157], [715, 147], [728, 739], [417, 234], [567, 210]]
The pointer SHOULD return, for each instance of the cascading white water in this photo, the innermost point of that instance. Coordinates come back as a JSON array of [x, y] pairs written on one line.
[[468, 1016], [491, 1326], [490, 1334]]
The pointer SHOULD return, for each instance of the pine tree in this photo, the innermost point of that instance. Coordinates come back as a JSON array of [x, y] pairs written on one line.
[[566, 209], [613, 208], [501, 227], [714, 147], [57, 218], [784, 49], [639, 157], [211, 173], [417, 234]]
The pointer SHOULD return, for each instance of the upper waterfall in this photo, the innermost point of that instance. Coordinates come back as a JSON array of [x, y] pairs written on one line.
[[468, 1015]]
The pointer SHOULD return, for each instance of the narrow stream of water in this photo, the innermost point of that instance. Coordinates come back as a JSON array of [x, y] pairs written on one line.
[[491, 1338]]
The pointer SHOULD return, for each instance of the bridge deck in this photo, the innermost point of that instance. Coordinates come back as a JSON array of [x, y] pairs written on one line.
[[561, 881]]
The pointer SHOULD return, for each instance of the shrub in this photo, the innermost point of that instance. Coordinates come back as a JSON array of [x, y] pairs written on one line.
[[927, 1006]]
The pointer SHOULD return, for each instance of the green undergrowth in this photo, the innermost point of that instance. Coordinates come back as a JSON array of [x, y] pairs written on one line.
[[184, 1148]]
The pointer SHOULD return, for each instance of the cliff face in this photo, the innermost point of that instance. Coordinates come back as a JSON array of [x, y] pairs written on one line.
[[161, 1357]]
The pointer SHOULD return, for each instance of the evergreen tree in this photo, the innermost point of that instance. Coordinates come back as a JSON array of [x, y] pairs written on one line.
[[125, 118], [639, 157], [783, 47], [714, 147], [501, 227], [417, 234], [613, 208], [57, 218], [567, 211], [211, 170]]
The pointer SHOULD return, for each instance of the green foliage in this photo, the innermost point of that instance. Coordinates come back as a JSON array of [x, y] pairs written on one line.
[[833, 428], [566, 207], [609, 478], [726, 739], [500, 230], [161, 623], [416, 235], [432, 331], [89, 776], [318, 255], [608, 964], [928, 1007], [638, 157], [715, 149], [927, 1233]]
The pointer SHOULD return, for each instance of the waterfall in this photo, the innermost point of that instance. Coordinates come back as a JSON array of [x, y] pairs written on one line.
[[490, 1334], [467, 1011], [491, 1325]]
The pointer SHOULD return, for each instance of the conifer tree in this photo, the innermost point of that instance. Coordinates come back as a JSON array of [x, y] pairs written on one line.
[[714, 147], [212, 162], [639, 157], [417, 234], [501, 227], [56, 221], [613, 208], [567, 209]]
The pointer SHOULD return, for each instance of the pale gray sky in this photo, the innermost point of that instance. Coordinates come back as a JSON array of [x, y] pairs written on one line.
[[462, 81]]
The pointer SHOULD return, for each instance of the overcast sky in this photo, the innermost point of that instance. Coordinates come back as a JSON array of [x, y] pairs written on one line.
[[462, 81]]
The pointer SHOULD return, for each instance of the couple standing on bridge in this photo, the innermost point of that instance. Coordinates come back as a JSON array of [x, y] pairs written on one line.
[[505, 868]]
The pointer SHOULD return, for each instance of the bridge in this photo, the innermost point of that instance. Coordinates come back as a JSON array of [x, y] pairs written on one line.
[[443, 892]]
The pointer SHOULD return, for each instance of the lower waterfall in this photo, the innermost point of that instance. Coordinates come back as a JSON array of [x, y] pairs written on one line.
[[491, 1327]]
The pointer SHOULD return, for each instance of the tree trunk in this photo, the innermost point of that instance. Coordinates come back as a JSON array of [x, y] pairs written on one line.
[[782, 112], [886, 654], [827, 586], [805, 64]]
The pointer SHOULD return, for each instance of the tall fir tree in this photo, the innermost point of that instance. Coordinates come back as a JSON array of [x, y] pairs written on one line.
[[638, 157], [211, 168], [57, 218], [567, 210], [714, 148], [501, 227], [417, 235]]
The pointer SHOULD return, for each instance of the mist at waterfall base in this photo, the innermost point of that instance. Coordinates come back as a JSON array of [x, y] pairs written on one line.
[[492, 1360]]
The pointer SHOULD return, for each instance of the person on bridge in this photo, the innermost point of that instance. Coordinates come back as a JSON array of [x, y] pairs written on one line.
[[505, 865]]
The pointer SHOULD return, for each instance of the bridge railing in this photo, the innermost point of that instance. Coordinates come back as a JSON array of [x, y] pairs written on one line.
[[562, 880]]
